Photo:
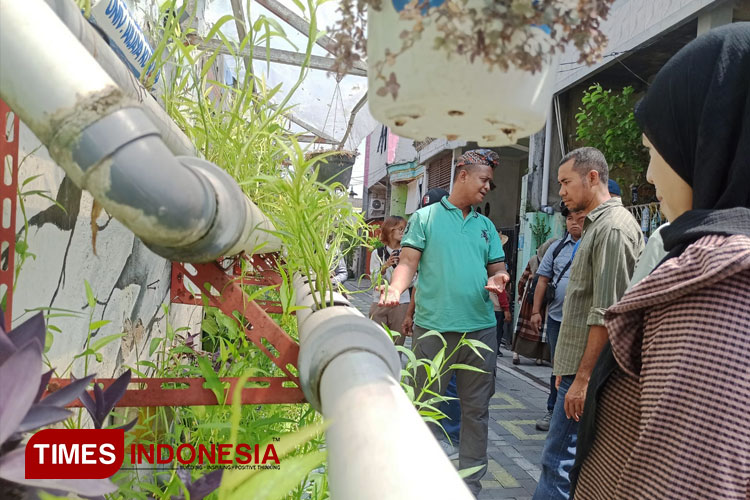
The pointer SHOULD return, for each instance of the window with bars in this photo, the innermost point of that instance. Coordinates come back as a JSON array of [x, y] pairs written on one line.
[[439, 172]]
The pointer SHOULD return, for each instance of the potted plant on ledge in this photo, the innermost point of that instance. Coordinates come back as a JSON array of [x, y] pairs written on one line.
[[478, 70]]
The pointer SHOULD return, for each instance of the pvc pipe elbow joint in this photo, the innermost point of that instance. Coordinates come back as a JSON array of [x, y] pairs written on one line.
[[184, 209], [333, 331]]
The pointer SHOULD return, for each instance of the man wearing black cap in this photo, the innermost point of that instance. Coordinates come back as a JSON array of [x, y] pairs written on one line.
[[460, 260]]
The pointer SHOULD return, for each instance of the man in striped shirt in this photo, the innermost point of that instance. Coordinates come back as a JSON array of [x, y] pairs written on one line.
[[599, 275]]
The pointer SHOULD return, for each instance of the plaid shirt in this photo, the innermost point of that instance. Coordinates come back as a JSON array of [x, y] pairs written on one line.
[[601, 270]]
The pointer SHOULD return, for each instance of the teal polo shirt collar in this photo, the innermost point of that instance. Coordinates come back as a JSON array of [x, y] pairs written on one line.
[[450, 206]]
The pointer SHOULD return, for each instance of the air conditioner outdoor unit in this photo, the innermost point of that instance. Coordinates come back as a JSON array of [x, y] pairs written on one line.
[[377, 207]]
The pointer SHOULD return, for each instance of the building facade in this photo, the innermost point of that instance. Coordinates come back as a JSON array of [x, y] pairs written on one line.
[[642, 36]]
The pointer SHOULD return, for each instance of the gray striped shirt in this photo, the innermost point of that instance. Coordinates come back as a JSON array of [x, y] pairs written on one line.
[[601, 270]]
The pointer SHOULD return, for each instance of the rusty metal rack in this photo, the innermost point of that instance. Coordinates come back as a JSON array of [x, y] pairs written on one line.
[[9, 132], [222, 288]]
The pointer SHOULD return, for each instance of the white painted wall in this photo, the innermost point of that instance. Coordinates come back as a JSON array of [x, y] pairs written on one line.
[[378, 160], [630, 24], [130, 282], [438, 146], [405, 151]]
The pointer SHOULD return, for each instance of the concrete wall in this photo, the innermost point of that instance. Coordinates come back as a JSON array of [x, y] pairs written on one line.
[[399, 150], [630, 24], [377, 160], [438, 146], [131, 283], [398, 199], [532, 194], [504, 200], [405, 151]]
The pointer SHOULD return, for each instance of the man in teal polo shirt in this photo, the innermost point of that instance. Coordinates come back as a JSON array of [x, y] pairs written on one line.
[[460, 261]]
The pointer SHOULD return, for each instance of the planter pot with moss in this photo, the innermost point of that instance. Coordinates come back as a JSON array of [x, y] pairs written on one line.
[[479, 70], [334, 166], [422, 92]]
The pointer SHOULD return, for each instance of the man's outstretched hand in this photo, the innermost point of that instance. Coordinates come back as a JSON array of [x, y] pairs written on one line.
[[389, 295], [496, 282]]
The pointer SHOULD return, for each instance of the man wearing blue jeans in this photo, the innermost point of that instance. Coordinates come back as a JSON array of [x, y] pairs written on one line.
[[600, 272], [553, 330], [555, 269]]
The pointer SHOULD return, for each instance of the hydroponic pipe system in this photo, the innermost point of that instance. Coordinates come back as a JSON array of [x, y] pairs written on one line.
[[184, 209], [100, 50], [378, 445]]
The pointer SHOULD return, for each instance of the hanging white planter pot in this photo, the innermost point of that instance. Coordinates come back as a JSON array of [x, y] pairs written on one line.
[[336, 167], [428, 94]]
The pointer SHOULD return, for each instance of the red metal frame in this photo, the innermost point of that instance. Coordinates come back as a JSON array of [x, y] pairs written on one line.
[[223, 290], [260, 270], [152, 391], [9, 129]]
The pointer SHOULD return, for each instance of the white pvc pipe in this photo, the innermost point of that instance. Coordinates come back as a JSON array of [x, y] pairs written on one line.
[[257, 236], [378, 445], [56, 87], [71, 16], [547, 152], [27, 32]]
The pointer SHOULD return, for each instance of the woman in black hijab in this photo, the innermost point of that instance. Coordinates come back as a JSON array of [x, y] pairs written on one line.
[[666, 414]]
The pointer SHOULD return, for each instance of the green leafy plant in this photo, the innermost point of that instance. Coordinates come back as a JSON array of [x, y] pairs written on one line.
[[605, 121], [315, 221], [241, 127], [426, 398], [245, 131], [375, 243], [540, 229], [231, 354]]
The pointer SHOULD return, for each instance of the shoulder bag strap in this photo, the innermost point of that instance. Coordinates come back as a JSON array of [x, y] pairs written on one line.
[[383, 254], [556, 252], [559, 246], [562, 273]]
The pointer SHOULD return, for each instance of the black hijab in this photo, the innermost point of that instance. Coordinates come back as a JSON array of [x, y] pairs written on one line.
[[697, 115]]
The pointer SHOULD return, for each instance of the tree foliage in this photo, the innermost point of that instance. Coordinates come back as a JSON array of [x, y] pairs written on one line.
[[606, 121]]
